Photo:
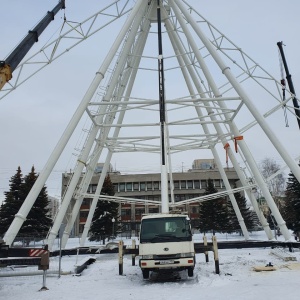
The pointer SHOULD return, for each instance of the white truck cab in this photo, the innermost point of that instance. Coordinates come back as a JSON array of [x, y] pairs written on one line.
[[166, 243]]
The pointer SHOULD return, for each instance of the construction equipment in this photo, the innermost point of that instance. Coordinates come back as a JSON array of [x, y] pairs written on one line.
[[8, 65], [166, 244], [290, 82]]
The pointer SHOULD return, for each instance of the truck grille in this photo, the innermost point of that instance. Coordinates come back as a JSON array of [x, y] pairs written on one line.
[[164, 256]]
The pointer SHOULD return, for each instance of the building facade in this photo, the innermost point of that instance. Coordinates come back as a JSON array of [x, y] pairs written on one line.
[[186, 185], [53, 206]]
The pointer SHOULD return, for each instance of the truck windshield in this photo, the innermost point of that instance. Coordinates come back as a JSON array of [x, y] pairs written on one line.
[[171, 229]]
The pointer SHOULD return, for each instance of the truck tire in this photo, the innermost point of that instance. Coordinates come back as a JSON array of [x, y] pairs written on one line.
[[145, 274], [190, 272]]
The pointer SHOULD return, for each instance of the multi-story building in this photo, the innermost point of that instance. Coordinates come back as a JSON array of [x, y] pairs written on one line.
[[53, 206], [187, 185]]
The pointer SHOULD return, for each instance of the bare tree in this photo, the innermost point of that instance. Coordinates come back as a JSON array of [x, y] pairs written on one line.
[[276, 185], [268, 167]]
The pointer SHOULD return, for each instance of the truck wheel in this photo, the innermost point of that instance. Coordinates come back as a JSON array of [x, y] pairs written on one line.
[[145, 274], [190, 272]]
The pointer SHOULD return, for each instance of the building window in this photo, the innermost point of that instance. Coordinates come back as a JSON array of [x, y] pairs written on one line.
[[183, 184], [115, 187], [203, 184], [84, 214], [122, 187], [81, 228], [205, 166], [125, 212], [194, 209], [156, 198], [142, 186], [89, 190], [153, 210], [94, 187], [98, 169], [180, 197], [176, 185], [139, 211], [196, 184], [149, 186], [190, 184], [85, 202], [136, 186], [129, 186], [156, 185], [217, 183]]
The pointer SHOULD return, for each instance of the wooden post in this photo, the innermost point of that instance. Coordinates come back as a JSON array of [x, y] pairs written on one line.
[[216, 254], [133, 255], [205, 245], [121, 257], [44, 265]]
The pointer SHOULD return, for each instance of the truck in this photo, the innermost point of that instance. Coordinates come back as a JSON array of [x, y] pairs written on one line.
[[166, 244]]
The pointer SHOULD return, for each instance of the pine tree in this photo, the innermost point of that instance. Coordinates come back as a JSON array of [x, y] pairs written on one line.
[[38, 221], [213, 213], [12, 202], [245, 212], [102, 224], [291, 211]]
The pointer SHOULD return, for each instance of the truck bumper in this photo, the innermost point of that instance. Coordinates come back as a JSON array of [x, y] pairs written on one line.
[[178, 263]]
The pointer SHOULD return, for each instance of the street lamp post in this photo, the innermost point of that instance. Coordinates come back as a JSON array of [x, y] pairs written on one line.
[[113, 227]]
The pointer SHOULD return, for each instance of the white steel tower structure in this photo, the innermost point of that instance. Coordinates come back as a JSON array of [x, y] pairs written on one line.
[[215, 110]]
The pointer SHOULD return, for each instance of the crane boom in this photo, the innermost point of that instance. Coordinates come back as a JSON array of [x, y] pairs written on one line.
[[12, 61], [290, 83]]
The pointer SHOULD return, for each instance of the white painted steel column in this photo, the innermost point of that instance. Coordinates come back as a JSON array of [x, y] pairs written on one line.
[[252, 164], [164, 190], [116, 134], [216, 125], [95, 201], [170, 173], [109, 117], [139, 6], [231, 155], [43, 176], [185, 64]]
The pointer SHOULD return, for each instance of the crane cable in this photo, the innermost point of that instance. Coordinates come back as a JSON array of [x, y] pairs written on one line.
[[58, 40], [283, 84]]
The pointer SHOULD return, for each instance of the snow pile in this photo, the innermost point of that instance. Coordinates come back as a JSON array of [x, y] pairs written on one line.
[[101, 280]]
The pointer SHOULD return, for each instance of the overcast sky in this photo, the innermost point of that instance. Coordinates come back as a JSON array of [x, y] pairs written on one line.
[[33, 117]]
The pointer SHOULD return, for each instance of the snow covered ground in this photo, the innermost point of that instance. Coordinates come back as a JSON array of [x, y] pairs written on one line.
[[101, 280]]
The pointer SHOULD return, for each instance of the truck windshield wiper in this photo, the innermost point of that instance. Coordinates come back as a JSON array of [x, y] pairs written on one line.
[[160, 237]]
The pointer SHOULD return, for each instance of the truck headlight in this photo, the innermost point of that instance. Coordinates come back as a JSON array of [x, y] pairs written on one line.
[[150, 256], [188, 254]]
